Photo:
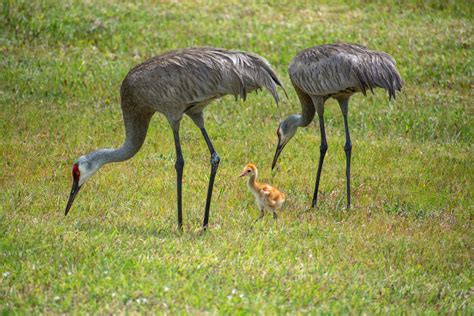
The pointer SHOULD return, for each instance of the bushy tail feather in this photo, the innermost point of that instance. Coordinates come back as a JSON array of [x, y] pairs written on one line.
[[255, 72], [379, 71], [272, 74]]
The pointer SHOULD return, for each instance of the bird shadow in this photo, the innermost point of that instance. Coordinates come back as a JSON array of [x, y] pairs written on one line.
[[129, 229]]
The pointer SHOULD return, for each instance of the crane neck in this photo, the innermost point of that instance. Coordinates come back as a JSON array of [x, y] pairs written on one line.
[[135, 132], [308, 108], [109, 155], [104, 156], [306, 116]]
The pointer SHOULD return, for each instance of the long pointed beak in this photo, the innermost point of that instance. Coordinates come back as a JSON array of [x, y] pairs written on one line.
[[277, 154], [74, 190]]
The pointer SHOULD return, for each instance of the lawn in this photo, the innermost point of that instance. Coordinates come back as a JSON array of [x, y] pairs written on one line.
[[406, 245]]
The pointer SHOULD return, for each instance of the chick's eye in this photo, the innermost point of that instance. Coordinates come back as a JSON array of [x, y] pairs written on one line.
[[248, 171]]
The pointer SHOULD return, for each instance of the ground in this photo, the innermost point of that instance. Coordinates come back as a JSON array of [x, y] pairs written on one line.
[[405, 246]]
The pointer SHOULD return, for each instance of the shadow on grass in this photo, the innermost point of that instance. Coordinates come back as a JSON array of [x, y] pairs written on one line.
[[141, 231]]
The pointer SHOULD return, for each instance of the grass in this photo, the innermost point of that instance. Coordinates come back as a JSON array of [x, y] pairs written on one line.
[[405, 247]]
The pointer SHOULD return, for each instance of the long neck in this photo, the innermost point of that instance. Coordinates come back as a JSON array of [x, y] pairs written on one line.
[[307, 108], [136, 126], [252, 182], [306, 116], [303, 119]]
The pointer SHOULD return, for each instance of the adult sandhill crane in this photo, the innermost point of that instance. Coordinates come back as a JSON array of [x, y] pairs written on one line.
[[176, 83], [338, 71]]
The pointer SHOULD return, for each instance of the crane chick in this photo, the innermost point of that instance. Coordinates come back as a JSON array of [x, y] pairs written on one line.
[[266, 196]]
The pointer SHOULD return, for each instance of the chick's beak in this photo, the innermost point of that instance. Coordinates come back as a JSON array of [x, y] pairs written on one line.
[[242, 174], [74, 190]]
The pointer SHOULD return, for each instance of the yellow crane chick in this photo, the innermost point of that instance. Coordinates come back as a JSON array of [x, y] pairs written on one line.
[[266, 196]]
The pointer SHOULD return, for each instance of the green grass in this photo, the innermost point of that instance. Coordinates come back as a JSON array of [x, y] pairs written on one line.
[[406, 246]]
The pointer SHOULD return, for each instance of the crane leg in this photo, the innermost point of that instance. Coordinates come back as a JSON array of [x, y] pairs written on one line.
[[322, 150], [214, 165], [344, 104], [179, 166]]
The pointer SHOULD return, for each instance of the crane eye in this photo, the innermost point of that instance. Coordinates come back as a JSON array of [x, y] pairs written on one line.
[[248, 171]]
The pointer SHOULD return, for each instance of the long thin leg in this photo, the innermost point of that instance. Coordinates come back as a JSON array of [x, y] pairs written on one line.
[[344, 104], [214, 165], [322, 149], [262, 213], [179, 166]]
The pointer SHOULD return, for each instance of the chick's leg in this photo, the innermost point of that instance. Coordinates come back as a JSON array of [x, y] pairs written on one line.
[[262, 213]]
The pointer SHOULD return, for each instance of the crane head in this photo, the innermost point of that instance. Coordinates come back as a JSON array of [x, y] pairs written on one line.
[[76, 175], [285, 131], [81, 171]]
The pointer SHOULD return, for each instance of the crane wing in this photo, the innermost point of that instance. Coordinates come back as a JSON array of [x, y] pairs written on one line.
[[328, 69], [200, 74]]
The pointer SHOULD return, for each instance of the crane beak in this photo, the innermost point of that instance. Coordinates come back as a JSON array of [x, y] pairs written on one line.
[[74, 190], [277, 154], [242, 174]]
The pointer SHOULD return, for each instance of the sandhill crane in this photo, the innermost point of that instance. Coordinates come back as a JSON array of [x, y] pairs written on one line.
[[337, 71], [267, 196], [176, 83]]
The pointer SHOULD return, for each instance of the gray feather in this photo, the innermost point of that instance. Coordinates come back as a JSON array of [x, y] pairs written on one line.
[[329, 69], [198, 75]]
